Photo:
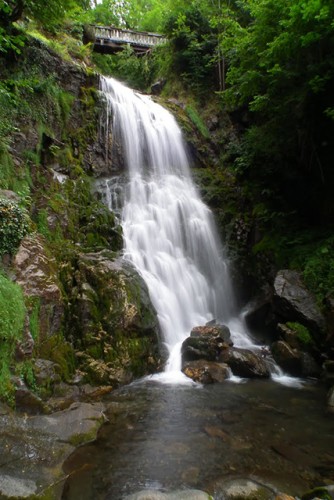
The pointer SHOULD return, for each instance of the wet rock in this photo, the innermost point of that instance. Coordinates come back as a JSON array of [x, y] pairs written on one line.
[[212, 330], [244, 489], [206, 342], [258, 310], [114, 327], [33, 449], [294, 302], [28, 402], [157, 87], [289, 335], [206, 372], [16, 487], [176, 495], [291, 452], [310, 367], [330, 400], [216, 432], [301, 347], [328, 372], [76, 425], [36, 273], [287, 358], [245, 363]]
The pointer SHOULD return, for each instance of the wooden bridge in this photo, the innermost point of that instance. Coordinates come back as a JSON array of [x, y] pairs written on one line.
[[110, 39]]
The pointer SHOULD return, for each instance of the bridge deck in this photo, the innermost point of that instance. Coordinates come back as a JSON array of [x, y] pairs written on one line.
[[110, 39]]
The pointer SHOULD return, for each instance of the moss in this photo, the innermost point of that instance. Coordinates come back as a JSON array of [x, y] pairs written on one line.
[[79, 439], [303, 334], [58, 350], [197, 121]]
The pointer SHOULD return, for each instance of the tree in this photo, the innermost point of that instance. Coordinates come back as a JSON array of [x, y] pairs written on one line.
[[282, 71]]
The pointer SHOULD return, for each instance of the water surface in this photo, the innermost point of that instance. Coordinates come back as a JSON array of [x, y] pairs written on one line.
[[168, 437]]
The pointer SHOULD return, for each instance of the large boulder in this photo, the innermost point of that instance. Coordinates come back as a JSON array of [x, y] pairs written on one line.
[[206, 372], [40, 444], [111, 319], [294, 302], [206, 342], [245, 363], [208, 352], [288, 358]]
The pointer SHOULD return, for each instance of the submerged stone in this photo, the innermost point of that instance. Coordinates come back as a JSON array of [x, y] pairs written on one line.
[[16, 487], [244, 489], [176, 495]]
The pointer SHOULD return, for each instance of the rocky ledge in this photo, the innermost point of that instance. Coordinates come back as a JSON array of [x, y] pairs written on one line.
[[34, 448]]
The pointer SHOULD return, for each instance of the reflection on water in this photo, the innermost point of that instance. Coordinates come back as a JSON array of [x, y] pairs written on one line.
[[170, 437]]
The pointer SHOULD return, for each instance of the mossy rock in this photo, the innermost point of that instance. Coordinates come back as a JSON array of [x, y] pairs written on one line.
[[111, 319]]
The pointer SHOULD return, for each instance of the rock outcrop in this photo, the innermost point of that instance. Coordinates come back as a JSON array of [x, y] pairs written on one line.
[[36, 272], [41, 444], [246, 363], [294, 302], [111, 321]]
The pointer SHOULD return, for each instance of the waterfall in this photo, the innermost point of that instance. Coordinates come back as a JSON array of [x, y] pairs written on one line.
[[169, 233]]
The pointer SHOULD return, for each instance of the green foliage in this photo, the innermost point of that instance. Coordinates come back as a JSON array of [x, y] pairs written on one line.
[[193, 44], [318, 271], [7, 116], [137, 72], [42, 223], [197, 121], [11, 43], [303, 334], [280, 70], [14, 225], [12, 314]]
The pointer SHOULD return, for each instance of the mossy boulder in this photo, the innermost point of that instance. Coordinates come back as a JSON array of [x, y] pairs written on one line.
[[111, 319]]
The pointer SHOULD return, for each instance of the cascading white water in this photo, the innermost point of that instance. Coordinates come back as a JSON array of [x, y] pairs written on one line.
[[169, 232]]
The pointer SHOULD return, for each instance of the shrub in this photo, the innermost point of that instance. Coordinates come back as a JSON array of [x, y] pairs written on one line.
[[319, 270], [14, 225]]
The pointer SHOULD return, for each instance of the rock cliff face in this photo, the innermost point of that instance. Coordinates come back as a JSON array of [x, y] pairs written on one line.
[[89, 316]]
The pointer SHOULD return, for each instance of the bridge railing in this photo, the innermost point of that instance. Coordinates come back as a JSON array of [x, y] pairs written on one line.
[[119, 35]]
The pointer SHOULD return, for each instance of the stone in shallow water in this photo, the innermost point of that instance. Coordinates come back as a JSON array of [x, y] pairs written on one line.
[[176, 495], [206, 372], [244, 489], [14, 487]]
